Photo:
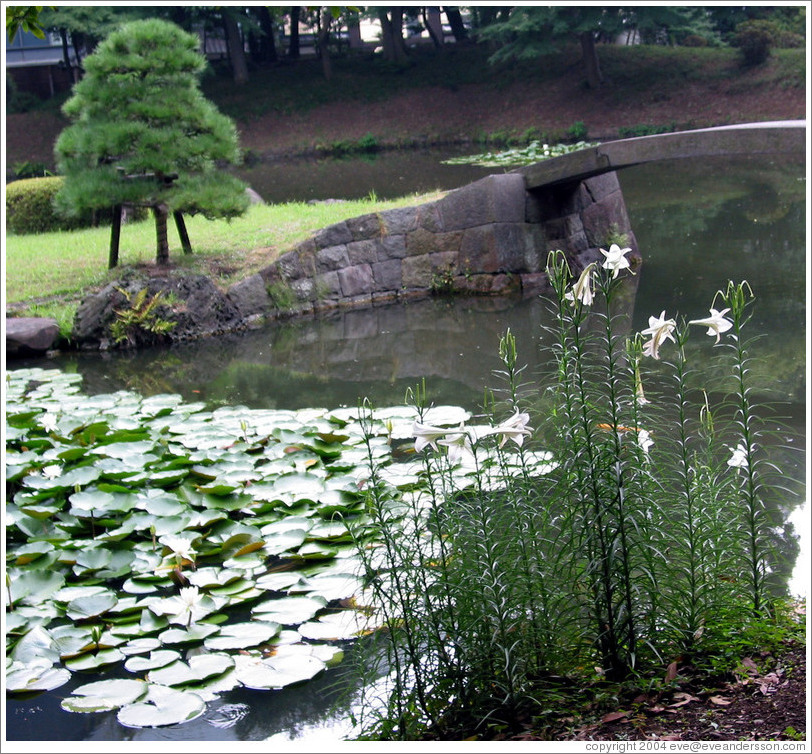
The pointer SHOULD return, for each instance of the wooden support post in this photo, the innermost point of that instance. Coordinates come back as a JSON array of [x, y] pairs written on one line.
[[115, 237], [184, 236], [162, 251]]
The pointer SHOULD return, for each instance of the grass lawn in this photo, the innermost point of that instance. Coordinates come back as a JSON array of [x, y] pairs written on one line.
[[60, 267]]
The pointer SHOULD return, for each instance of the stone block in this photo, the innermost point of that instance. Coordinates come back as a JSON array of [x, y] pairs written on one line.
[[327, 285], [333, 235], [422, 241], [428, 217], [400, 220], [30, 334], [601, 218], [365, 227], [387, 275], [504, 247], [392, 247], [332, 258], [250, 296], [290, 266], [601, 186], [356, 281], [494, 199], [417, 272], [304, 290], [362, 252]]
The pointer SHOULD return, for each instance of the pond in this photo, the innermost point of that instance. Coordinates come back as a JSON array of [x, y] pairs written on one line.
[[698, 225]]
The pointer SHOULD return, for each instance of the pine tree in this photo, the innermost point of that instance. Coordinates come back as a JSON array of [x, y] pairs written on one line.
[[143, 134]]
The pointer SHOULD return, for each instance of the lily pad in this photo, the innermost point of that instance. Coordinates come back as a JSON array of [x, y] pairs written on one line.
[[102, 696], [157, 659], [242, 635], [289, 611], [199, 669], [163, 706], [35, 677], [277, 672]]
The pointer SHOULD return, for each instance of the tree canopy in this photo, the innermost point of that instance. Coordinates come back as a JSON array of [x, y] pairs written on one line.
[[143, 133]]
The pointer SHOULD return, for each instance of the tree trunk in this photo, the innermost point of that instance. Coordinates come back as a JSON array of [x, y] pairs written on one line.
[[293, 46], [323, 42], [267, 44], [592, 68], [434, 25], [161, 212], [115, 237], [394, 49], [184, 235], [455, 22], [236, 51]]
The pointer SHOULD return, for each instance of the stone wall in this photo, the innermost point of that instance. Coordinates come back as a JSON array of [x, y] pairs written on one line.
[[491, 237]]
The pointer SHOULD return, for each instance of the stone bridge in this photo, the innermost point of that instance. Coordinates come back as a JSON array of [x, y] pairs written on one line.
[[489, 237]]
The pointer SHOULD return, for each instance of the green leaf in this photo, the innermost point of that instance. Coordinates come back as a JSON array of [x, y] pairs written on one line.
[[102, 696], [35, 677], [242, 635], [91, 606], [163, 706], [277, 672], [199, 669]]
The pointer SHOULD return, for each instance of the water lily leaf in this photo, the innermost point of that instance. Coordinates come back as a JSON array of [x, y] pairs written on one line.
[[289, 611], [329, 654], [280, 542], [124, 450], [33, 587], [95, 660], [199, 669], [197, 632], [332, 586], [279, 582], [157, 659], [102, 696], [277, 672], [91, 560], [26, 554], [30, 678], [297, 487], [163, 706], [332, 531], [36, 646], [160, 503], [39, 511], [90, 606], [140, 646], [242, 635], [79, 476], [92, 501], [315, 551], [347, 624]]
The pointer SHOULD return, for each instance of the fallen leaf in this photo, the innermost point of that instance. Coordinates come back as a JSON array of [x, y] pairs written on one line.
[[720, 700], [671, 672], [750, 665], [612, 717]]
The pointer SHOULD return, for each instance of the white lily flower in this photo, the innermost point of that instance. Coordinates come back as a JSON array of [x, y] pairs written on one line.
[[739, 458], [48, 421], [186, 607], [644, 440], [660, 329], [426, 434], [582, 289], [615, 259], [180, 546], [458, 442], [51, 471], [515, 428], [717, 323]]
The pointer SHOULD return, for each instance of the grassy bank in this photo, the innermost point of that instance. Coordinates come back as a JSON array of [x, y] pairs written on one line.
[[47, 274]]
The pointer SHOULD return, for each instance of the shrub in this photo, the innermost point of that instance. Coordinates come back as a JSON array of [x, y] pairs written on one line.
[[755, 38], [30, 209]]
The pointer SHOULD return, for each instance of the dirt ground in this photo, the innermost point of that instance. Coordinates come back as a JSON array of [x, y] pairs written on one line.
[[442, 115]]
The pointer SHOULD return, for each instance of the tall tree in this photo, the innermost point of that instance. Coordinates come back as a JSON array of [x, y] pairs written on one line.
[[143, 134], [235, 44], [452, 13], [391, 18], [293, 42]]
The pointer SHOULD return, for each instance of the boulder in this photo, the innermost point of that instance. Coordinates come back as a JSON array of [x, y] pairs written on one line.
[[30, 335]]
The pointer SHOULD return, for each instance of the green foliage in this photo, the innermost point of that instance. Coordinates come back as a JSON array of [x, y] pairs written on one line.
[[645, 129], [25, 17], [577, 131], [141, 319], [30, 207], [755, 40], [139, 120], [598, 544], [282, 295]]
